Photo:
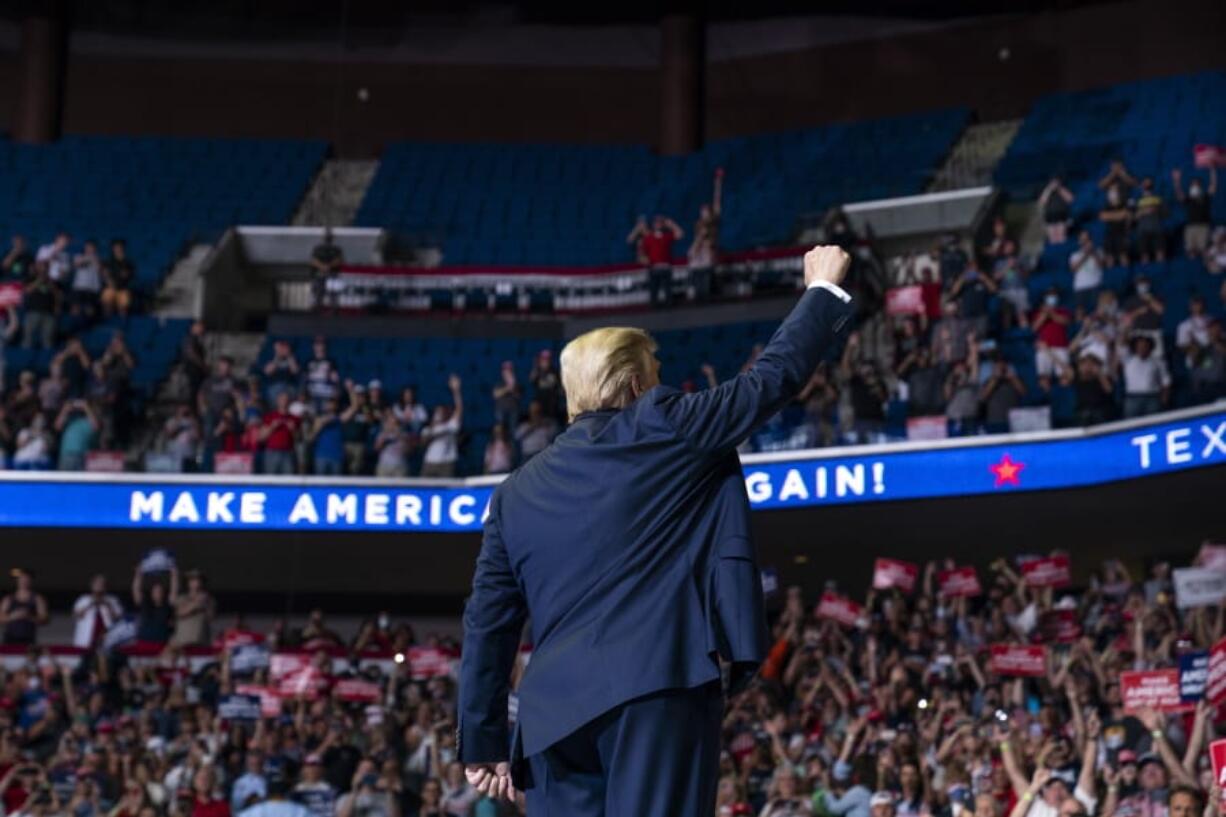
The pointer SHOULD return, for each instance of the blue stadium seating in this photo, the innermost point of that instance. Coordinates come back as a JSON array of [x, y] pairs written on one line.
[[157, 193], [559, 205]]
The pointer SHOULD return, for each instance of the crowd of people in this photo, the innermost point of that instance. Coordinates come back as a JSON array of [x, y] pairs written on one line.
[[899, 713]]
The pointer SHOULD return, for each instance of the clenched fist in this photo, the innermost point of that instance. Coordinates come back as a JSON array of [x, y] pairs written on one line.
[[826, 263]]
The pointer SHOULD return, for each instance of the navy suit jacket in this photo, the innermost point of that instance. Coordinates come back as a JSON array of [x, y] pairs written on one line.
[[627, 544]]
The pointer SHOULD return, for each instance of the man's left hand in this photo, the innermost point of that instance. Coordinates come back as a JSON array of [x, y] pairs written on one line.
[[491, 779]]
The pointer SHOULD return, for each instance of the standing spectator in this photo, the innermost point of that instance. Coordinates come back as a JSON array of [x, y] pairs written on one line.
[[9, 325], [972, 290], [326, 261], [95, 613], [1002, 393], [181, 435], [1050, 323], [23, 611], [391, 449], [411, 413], [867, 395], [193, 355], [327, 440], [656, 245], [1207, 366], [278, 432], [86, 290], [226, 434], [1099, 330], [74, 365], [118, 273], [55, 256], [1010, 278], [376, 397], [1194, 329], [441, 437], [1197, 209], [499, 456], [194, 610], [1055, 203], [704, 249], [1116, 219], [1146, 381], [536, 432], [323, 380], [546, 386], [784, 798], [315, 793], [1118, 176], [78, 427], [925, 383], [357, 422], [949, 335], [1151, 238], [1143, 312], [23, 403], [506, 396], [251, 786], [33, 451], [281, 373], [208, 802], [155, 616], [18, 263], [218, 392], [41, 301], [962, 393], [1094, 391], [1086, 264]]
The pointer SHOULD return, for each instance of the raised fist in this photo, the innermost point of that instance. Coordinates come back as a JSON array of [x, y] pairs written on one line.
[[826, 263]]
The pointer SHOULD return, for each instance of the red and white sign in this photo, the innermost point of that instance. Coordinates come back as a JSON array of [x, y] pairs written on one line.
[[1152, 689], [839, 608], [306, 683], [1050, 571], [1217, 753], [935, 427], [236, 638], [10, 295], [1212, 556], [960, 581], [1062, 626], [908, 300], [1215, 684], [358, 689], [106, 462], [1204, 155], [1018, 659], [429, 662], [233, 462], [270, 703], [890, 573]]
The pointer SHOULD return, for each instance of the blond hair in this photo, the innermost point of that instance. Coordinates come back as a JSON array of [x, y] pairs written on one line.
[[598, 368]]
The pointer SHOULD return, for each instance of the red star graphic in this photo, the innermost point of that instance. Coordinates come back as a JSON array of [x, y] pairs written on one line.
[[1006, 471]]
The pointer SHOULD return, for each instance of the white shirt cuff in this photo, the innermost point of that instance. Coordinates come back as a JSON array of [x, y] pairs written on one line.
[[833, 288]]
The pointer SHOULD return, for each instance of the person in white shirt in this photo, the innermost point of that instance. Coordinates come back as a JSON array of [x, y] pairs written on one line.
[[276, 805], [94, 613], [86, 291], [1147, 382], [441, 437], [1194, 329], [1086, 264], [55, 255]]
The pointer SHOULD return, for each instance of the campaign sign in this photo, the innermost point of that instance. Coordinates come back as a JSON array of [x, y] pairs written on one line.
[[1215, 681], [839, 608], [270, 703], [247, 658], [1217, 753], [429, 662], [770, 581], [1049, 571], [959, 581], [1193, 673], [889, 573], [1061, 626], [358, 690], [1199, 586], [1212, 555], [1151, 689], [1026, 660], [239, 708]]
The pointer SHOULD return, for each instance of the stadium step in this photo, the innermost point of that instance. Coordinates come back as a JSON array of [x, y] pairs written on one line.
[[974, 157], [336, 193], [179, 295]]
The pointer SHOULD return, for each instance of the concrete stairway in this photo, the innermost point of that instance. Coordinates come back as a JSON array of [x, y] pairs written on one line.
[[336, 193], [974, 157], [179, 295]]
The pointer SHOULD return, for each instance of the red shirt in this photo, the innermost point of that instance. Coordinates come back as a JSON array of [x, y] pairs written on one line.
[[282, 436], [1055, 335], [658, 247], [210, 808]]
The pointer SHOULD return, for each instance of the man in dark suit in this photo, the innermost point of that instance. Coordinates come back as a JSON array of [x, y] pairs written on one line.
[[627, 544]]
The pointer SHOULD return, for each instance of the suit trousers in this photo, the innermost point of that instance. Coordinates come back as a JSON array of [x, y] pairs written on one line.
[[654, 756]]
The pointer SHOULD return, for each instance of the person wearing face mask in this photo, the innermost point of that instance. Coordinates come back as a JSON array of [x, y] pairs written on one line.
[[1197, 204], [1100, 329], [1086, 264], [1116, 219]]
